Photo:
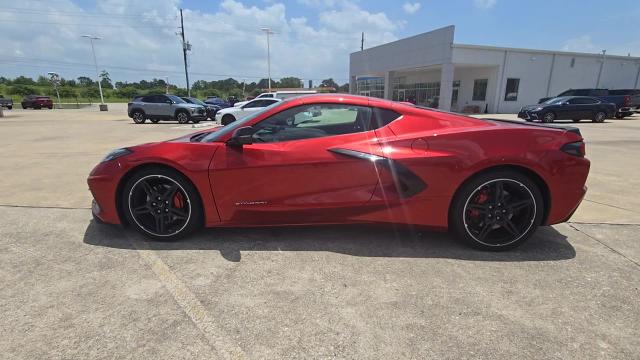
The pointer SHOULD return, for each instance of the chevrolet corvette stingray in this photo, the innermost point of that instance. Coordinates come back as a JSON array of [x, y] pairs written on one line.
[[337, 159]]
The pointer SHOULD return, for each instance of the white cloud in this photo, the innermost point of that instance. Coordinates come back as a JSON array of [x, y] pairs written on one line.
[[484, 4], [411, 8], [580, 44], [227, 40]]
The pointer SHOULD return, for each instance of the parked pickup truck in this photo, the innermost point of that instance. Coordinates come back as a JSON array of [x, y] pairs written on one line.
[[625, 100], [6, 102]]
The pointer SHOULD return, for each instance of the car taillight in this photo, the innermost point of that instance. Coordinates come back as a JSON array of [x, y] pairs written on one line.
[[575, 148], [627, 100]]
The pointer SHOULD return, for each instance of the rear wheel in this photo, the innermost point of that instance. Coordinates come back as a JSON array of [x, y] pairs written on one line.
[[497, 211], [227, 119], [162, 204], [138, 117], [548, 117], [599, 116]]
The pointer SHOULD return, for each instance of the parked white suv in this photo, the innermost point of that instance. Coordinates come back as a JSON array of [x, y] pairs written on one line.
[[228, 115], [285, 94]]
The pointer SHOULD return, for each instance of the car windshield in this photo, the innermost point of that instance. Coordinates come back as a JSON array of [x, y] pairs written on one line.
[[555, 101], [196, 101], [176, 99], [217, 135]]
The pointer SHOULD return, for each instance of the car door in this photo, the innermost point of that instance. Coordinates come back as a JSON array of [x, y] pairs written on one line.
[[294, 171], [568, 110], [165, 105]]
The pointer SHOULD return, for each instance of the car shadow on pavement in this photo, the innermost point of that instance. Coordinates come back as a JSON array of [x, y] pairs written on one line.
[[355, 240]]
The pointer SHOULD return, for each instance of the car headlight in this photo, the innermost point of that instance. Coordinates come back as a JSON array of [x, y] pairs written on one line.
[[538, 109], [116, 154]]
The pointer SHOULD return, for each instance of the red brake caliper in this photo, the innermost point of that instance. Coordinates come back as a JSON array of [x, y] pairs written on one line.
[[480, 199], [178, 200]]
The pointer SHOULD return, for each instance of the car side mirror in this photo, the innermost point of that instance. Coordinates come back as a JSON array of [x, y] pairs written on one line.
[[168, 101], [242, 136], [565, 103]]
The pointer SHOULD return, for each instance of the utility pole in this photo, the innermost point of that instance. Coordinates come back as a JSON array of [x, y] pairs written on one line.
[[362, 42], [185, 47], [604, 53], [269, 33], [166, 83], [244, 84], [95, 62]]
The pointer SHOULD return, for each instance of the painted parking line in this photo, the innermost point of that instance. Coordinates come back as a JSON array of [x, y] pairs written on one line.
[[222, 344]]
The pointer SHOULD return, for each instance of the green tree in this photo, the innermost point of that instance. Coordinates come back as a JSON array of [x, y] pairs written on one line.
[[105, 80], [90, 92], [290, 82], [344, 88], [126, 92], [22, 90], [23, 80], [329, 83], [85, 81]]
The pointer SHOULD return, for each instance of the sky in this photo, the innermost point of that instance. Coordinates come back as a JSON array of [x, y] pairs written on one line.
[[312, 40]]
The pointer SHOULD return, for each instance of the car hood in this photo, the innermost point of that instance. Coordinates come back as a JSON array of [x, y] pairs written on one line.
[[532, 107]]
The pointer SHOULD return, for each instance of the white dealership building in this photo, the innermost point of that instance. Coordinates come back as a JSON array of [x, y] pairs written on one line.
[[431, 69]]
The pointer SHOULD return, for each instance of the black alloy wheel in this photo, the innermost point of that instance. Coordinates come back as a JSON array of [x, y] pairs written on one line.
[[497, 211], [162, 204], [182, 117], [548, 117], [599, 117]]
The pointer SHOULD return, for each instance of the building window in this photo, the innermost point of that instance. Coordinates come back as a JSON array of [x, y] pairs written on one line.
[[424, 94], [480, 89], [370, 86], [511, 92]]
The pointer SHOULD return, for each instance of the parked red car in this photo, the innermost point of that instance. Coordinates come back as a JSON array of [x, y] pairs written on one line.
[[336, 158], [36, 102]]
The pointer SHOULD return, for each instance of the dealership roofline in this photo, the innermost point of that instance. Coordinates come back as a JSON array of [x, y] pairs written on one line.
[[500, 48], [537, 51]]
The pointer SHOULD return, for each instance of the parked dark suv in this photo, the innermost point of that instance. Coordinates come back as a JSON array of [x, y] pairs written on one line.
[[164, 107], [36, 102]]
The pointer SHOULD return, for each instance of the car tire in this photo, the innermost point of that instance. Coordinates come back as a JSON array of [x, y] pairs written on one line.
[[619, 116], [50, 107], [599, 117], [161, 204], [138, 117], [182, 117], [496, 220], [24, 106], [10, 107], [36, 107], [155, 121], [575, 120], [227, 119], [548, 117]]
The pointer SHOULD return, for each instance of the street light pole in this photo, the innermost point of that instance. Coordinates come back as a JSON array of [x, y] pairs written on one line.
[[95, 62], [269, 33]]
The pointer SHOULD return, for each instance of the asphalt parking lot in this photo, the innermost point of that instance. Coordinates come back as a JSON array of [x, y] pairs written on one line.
[[73, 289]]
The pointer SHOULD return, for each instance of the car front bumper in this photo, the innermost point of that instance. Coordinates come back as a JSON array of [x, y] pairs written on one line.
[[528, 115]]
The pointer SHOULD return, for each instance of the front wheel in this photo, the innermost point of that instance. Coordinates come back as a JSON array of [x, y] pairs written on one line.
[[548, 117], [497, 211], [619, 116], [599, 117], [10, 107], [162, 204], [182, 117]]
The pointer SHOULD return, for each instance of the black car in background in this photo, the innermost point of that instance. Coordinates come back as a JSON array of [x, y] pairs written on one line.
[[573, 108], [211, 109], [218, 102]]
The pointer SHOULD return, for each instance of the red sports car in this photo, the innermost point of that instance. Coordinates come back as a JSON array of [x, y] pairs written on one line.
[[335, 159]]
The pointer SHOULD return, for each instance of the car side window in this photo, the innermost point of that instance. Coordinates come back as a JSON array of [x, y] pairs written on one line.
[[254, 104], [313, 121]]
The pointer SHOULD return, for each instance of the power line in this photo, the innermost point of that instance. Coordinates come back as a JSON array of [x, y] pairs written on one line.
[[92, 24], [81, 14]]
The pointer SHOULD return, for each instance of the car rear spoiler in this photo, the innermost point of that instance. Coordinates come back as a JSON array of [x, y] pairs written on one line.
[[571, 129]]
